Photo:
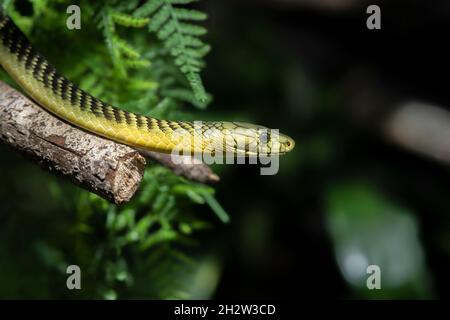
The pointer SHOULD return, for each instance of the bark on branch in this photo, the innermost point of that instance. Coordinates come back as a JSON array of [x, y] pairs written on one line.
[[193, 169], [109, 169]]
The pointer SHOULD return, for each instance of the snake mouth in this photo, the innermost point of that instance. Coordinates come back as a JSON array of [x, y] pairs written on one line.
[[285, 144], [289, 145]]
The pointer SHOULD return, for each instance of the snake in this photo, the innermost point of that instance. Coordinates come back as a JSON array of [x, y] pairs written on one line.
[[55, 93]]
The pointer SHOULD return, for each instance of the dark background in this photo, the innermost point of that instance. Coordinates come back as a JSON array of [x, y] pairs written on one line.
[[296, 62]]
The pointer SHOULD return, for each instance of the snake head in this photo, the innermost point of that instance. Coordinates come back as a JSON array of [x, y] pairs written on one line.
[[286, 144], [230, 138], [252, 140]]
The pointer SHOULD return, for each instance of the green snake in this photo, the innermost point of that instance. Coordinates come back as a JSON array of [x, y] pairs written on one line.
[[55, 93]]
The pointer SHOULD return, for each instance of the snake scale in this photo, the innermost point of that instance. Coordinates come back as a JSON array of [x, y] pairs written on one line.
[[41, 81]]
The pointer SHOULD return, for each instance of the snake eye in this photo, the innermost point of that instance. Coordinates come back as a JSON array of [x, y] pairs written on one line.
[[264, 137]]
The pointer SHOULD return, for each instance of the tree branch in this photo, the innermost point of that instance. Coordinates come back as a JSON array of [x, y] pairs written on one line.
[[193, 170], [109, 169], [104, 167]]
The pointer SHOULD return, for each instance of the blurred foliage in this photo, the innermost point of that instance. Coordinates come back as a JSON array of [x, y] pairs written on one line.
[[145, 57], [369, 230], [342, 187]]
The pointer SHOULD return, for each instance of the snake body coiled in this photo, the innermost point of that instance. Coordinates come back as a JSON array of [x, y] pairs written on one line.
[[41, 81]]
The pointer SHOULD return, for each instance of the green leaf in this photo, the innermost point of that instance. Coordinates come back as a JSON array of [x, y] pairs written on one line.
[[148, 8], [129, 21], [124, 218], [110, 38], [182, 1], [127, 49], [217, 208], [192, 30], [137, 63], [186, 14], [162, 235]]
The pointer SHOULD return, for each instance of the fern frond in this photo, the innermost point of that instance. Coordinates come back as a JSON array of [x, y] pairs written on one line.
[[126, 5], [182, 1], [129, 21], [127, 49], [137, 63], [148, 8], [193, 30], [182, 94], [142, 85], [172, 24], [107, 25], [186, 14], [123, 55]]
